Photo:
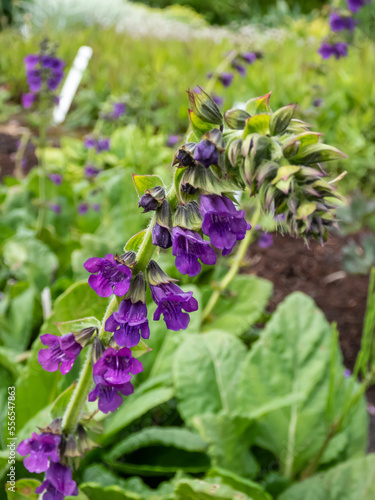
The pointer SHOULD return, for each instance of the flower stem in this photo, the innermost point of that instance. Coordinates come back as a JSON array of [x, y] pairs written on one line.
[[85, 381], [234, 268], [42, 173]]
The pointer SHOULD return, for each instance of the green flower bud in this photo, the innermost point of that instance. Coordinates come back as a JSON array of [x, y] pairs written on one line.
[[204, 107], [188, 216]]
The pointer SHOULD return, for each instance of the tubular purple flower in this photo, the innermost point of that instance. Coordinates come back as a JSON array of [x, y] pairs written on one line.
[[341, 49], [240, 68], [89, 142], [249, 57], [340, 23], [206, 153], [56, 179], [148, 203], [173, 140], [265, 240], [58, 482], [28, 100], [226, 79], [356, 5], [102, 145], [118, 110], [222, 222], [326, 50], [161, 236], [34, 80], [110, 276], [31, 61], [188, 246], [112, 374], [129, 323], [171, 301], [41, 448], [55, 208], [91, 171], [217, 99], [54, 80], [61, 353]]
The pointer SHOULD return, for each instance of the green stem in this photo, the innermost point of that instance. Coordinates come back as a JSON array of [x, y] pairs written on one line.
[[42, 174], [85, 381], [234, 268]]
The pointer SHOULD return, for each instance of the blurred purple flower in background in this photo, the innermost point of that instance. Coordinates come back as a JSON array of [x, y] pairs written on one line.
[[173, 140], [356, 5], [217, 99], [340, 23], [89, 142], [91, 171], [83, 208], [118, 110], [55, 208], [339, 49], [226, 78], [102, 145], [265, 240], [56, 179]]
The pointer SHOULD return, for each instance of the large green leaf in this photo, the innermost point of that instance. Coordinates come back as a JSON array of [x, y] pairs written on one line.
[[195, 489], [206, 371], [37, 388], [351, 480], [24, 489], [252, 489], [293, 358], [95, 491], [229, 440], [167, 436], [236, 312]]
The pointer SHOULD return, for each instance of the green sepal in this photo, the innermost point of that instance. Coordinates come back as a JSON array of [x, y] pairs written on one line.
[[236, 118], [257, 124], [137, 289], [305, 210], [156, 275], [135, 242], [188, 216], [316, 153], [143, 183], [199, 126], [259, 104], [285, 172], [164, 215], [256, 149], [281, 119], [234, 152], [205, 107], [204, 179]]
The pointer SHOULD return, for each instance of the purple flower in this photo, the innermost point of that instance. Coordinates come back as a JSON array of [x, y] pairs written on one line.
[[91, 171], [83, 208], [61, 353], [172, 140], [54, 80], [340, 23], [112, 374], [161, 236], [118, 110], [102, 145], [58, 482], [226, 79], [265, 240], [356, 5], [28, 100], [339, 49], [56, 179], [171, 300], [31, 61], [240, 68], [317, 102], [34, 80], [41, 448], [55, 208], [89, 142], [129, 323], [206, 153], [111, 276], [347, 373], [217, 99], [188, 246], [222, 222], [249, 57], [96, 207], [148, 203], [54, 63]]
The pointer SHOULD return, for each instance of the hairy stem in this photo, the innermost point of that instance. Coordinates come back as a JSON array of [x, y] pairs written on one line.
[[234, 268]]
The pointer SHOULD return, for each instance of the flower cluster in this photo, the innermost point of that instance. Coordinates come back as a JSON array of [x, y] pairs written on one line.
[[341, 22], [44, 72], [99, 145]]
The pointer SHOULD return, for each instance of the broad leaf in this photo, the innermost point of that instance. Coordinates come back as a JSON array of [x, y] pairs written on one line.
[[143, 182], [252, 489], [24, 489], [195, 489]]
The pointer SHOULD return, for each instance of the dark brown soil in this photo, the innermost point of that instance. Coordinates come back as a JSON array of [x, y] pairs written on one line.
[[317, 271]]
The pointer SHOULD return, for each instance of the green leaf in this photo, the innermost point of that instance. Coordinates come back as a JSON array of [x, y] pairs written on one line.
[[284, 172], [206, 369], [135, 406], [244, 305], [281, 118], [259, 104], [236, 118], [351, 480], [143, 182], [77, 324], [199, 126], [292, 357], [259, 124], [315, 153], [59, 406], [7, 360], [95, 491], [196, 489], [135, 242], [167, 436], [252, 489], [24, 489], [229, 438]]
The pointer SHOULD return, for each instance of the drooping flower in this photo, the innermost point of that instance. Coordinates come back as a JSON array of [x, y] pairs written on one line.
[[102, 145], [265, 240], [240, 68], [171, 301], [58, 483], [28, 100], [226, 78], [356, 5], [41, 448], [91, 171], [188, 246], [340, 23], [129, 323], [55, 207], [112, 374], [56, 179], [148, 203], [61, 353], [161, 236], [108, 276], [249, 57], [222, 222], [118, 110], [206, 153]]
